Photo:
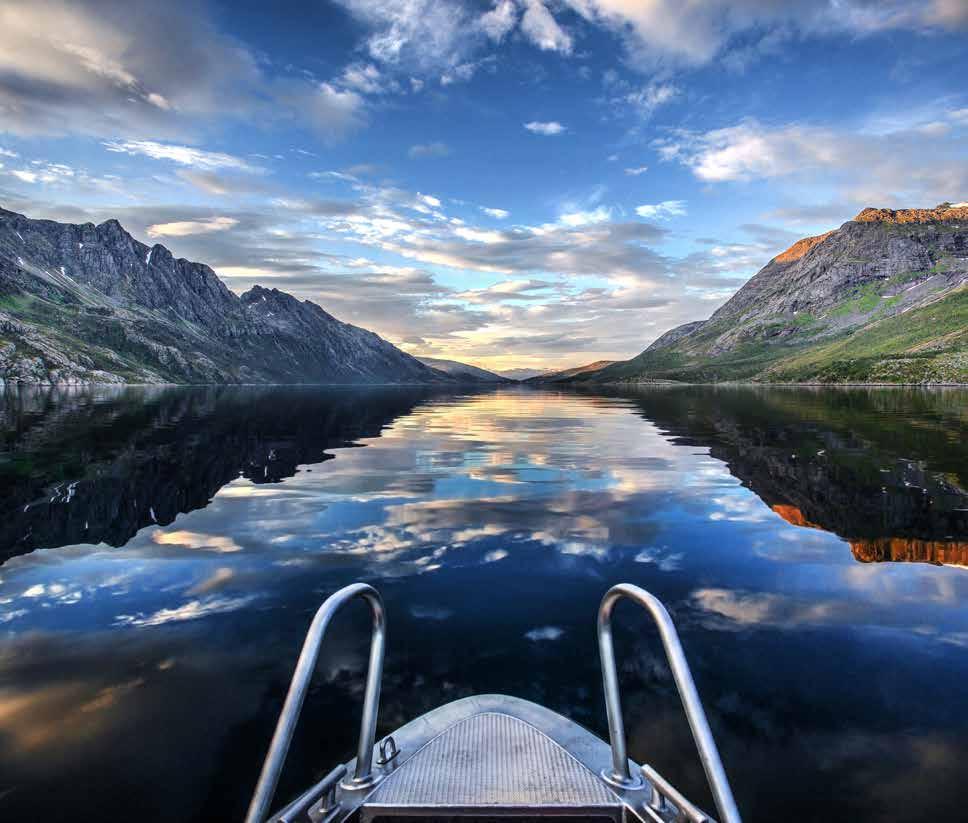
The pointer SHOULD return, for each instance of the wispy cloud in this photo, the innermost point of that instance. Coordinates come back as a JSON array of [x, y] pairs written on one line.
[[436, 149], [183, 228], [182, 155], [548, 128], [544, 633], [663, 210], [541, 28], [192, 610]]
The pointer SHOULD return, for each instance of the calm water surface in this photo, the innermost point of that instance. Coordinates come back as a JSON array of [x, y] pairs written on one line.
[[163, 552]]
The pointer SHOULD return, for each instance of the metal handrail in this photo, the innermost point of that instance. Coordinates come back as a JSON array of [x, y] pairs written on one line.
[[708, 753], [302, 804], [663, 790], [282, 737]]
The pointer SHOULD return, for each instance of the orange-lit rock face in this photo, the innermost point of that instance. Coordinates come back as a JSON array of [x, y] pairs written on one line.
[[889, 549], [794, 516], [956, 212], [800, 248], [910, 550]]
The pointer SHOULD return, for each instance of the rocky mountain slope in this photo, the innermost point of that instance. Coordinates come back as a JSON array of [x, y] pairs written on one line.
[[463, 372], [564, 374], [884, 298], [90, 304]]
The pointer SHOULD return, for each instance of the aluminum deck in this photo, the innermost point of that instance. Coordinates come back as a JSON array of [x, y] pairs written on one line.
[[494, 764]]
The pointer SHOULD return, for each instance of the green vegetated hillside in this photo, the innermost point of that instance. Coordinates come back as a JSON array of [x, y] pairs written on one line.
[[883, 299]]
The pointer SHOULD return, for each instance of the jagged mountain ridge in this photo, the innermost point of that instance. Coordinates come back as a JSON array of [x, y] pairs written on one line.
[[884, 298], [90, 304]]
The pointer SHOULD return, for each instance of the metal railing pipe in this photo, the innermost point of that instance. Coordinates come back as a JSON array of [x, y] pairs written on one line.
[[302, 804], [703, 737], [286, 725]]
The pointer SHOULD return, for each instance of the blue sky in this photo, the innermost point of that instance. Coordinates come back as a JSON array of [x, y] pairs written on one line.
[[516, 183]]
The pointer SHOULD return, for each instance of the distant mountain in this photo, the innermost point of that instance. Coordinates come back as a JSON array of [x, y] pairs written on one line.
[[882, 299], [565, 374], [90, 304], [521, 374], [462, 371]]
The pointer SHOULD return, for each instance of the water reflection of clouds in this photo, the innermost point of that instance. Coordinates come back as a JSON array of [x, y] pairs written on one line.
[[579, 476], [545, 499]]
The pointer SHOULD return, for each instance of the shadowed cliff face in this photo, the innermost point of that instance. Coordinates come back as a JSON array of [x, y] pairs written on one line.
[[845, 461], [95, 466]]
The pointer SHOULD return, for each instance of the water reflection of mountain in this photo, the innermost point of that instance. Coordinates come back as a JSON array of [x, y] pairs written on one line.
[[95, 466], [886, 470]]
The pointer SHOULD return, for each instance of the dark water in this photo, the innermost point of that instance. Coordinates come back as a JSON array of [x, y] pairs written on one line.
[[164, 551]]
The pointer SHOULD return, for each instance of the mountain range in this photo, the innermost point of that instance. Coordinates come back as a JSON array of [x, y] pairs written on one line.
[[90, 304], [882, 299]]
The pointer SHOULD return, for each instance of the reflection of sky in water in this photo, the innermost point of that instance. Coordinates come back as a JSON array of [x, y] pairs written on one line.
[[492, 524]]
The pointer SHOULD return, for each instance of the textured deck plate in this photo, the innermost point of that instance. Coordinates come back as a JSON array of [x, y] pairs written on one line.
[[491, 762]]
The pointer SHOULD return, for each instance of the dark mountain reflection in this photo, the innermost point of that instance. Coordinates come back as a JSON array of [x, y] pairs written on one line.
[[886, 470], [166, 548], [97, 465]]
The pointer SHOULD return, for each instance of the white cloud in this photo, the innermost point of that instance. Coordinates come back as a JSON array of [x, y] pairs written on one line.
[[541, 28], [736, 609], [365, 79], [182, 155], [436, 149], [647, 99], [635, 171], [548, 128], [38, 590], [329, 110], [500, 214], [544, 633], [43, 172], [80, 66], [663, 210], [196, 540], [423, 34], [884, 164], [478, 235], [498, 22], [183, 228], [463, 72], [750, 151], [429, 200], [586, 218], [192, 610], [694, 33], [8, 153]]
